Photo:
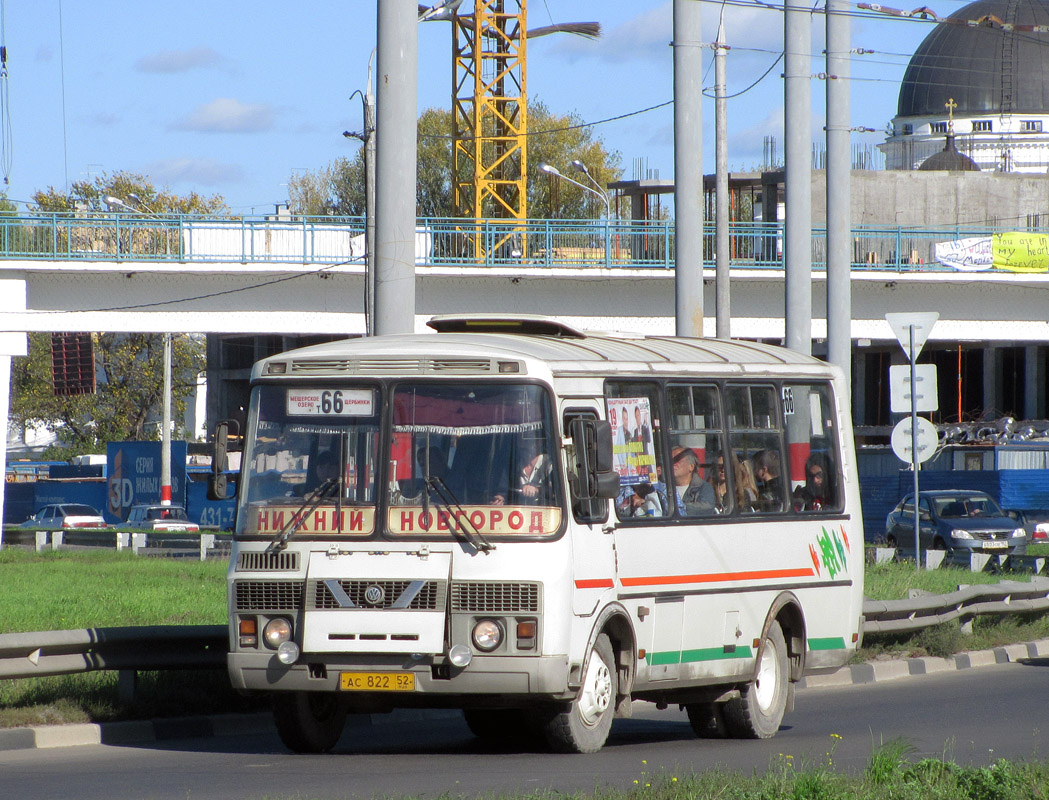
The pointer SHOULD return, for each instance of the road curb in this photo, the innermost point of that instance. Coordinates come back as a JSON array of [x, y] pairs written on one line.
[[158, 730], [200, 727], [879, 671]]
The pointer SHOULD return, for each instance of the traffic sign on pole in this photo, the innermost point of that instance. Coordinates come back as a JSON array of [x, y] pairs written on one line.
[[902, 322], [923, 395]]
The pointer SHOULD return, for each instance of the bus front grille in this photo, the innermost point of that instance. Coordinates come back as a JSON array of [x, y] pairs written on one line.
[[267, 595], [384, 594], [264, 562], [495, 598]]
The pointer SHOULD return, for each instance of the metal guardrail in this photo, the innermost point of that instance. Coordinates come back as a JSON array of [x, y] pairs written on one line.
[[164, 647], [927, 610], [613, 243], [196, 545], [157, 647]]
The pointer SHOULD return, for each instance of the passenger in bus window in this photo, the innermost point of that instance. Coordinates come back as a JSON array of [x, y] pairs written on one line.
[[695, 497], [770, 485], [326, 468], [817, 492], [746, 490], [644, 501], [533, 481]]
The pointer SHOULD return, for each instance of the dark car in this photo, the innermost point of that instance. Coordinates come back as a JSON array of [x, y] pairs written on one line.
[[955, 520], [65, 515]]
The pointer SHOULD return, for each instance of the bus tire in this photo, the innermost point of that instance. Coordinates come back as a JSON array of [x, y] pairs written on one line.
[[309, 722], [583, 727], [705, 719], [759, 709]]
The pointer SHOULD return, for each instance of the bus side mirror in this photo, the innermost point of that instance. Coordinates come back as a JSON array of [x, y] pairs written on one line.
[[593, 453], [218, 488]]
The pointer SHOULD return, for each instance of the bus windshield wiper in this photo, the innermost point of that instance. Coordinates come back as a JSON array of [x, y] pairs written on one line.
[[458, 522], [302, 513]]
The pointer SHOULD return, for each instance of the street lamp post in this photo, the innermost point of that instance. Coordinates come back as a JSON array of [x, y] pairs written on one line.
[[549, 169], [165, 433]]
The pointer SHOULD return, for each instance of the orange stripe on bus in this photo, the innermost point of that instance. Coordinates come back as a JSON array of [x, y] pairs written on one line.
[[715, 577], [594, 583]]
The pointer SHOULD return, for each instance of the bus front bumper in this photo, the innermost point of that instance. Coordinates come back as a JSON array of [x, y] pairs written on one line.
[[543, 677]]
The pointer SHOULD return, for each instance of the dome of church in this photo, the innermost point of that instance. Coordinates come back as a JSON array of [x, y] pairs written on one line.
[[986, 69], [950, 159]]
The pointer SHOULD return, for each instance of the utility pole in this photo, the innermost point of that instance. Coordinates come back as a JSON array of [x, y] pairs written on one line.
[[369, 199], [797, 125], [395, 166], [165, 436], [723, 309], [839, 192], [688, 168]]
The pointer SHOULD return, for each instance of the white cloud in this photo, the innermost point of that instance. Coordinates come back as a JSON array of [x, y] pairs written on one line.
[[227, 115], [205, 171], [178, 60]]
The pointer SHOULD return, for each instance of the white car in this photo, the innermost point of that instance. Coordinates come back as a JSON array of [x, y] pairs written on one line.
[[58, 516], [159, 518]]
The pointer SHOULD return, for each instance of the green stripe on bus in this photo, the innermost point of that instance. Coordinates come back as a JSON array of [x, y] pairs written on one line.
[[705, 654], [830, 643]]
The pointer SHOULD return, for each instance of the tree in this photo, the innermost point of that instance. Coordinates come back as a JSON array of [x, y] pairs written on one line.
[[128, 366], [552, 138], [130, 371], [87, 197]]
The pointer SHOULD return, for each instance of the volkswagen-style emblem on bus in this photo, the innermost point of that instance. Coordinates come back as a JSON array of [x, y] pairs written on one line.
[[374, 595]]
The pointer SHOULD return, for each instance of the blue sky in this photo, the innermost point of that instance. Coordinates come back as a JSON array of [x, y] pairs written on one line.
[[232, 98]]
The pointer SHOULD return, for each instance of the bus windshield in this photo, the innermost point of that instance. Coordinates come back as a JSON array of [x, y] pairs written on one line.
[[464, 460], [311, 461], [479, 455]]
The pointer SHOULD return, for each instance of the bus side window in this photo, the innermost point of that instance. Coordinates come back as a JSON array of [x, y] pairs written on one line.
[[700, 486], [812, 442], [633, 411], [755, 437]]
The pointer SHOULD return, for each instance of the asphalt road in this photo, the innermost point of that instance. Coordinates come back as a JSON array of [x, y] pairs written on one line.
[[971, 716]]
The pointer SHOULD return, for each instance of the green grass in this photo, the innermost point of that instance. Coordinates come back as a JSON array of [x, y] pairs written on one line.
[[65, 590]]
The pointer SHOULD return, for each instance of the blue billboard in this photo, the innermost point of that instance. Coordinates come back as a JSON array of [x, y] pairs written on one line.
[[133, 476]]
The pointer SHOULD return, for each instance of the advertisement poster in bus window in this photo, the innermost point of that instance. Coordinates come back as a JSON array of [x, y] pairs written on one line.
[[633, 448]]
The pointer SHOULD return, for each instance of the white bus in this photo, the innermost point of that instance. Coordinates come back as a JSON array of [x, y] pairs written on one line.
[[538, 526]]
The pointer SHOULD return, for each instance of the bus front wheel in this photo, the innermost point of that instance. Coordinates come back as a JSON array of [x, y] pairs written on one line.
[[759, 709], [309, 722], [583, 727]]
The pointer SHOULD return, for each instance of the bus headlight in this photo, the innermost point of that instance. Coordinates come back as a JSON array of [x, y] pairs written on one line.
[[488, 635], [459, 655], [288, 653], [276, 633]]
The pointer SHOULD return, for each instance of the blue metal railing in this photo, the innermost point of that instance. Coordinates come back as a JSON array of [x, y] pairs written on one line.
[[440, 241]]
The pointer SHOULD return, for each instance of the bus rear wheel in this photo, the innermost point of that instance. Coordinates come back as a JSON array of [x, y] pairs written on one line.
[[309, 722], [759, 709], [583, 727]]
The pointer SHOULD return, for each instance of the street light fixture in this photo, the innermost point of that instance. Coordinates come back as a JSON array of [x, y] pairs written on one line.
[[549, 169]]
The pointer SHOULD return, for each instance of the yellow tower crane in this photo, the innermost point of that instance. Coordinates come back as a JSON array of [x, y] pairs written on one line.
[[490, 112]]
